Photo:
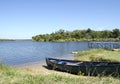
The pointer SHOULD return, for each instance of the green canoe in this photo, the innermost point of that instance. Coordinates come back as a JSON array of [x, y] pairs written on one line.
[[84, 67]]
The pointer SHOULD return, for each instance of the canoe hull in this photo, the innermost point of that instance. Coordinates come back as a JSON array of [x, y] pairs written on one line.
[[85, 69]]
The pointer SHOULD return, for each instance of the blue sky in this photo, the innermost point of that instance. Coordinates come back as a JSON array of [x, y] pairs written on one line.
[[22, 19]]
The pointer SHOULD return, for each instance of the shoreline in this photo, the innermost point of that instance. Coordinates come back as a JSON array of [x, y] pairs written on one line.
[[41, 68], [43, 62], [38, 68], [29, 64]]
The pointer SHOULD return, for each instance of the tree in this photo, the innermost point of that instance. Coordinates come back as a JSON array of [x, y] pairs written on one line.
[[76, 35], [115, 33], [88, 33], [106, 34]]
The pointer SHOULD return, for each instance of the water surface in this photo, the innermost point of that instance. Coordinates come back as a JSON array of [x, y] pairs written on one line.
[[21, 52]]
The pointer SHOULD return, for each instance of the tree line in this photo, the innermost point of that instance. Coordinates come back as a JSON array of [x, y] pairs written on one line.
[[79, 35]]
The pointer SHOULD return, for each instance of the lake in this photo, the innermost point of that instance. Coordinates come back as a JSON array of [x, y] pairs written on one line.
[[21, 52]]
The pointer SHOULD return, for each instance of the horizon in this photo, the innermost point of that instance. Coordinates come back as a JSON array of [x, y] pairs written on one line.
[[51, 33], [23, 19]]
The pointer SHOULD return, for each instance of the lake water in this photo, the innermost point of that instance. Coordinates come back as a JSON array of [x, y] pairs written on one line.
[[21, 52]]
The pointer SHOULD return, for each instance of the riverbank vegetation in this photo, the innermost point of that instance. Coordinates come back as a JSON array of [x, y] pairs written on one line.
[[14, 76], [6, 40], [79, 35], [99, 55], [10, 75]]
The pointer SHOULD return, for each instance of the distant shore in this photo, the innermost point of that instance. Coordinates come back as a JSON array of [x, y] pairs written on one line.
[[15, 39]]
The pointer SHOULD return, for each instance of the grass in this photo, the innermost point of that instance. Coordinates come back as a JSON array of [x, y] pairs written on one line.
[[98, 55], [14, 76]]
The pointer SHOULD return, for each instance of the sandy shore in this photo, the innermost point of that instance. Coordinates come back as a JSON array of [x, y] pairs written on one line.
[[41, 68]]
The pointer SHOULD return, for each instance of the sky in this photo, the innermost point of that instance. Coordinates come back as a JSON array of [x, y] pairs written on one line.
[[22, 19]]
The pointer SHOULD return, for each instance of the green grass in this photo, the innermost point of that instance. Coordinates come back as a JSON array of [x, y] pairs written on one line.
[[14, 77], [98, 55]]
